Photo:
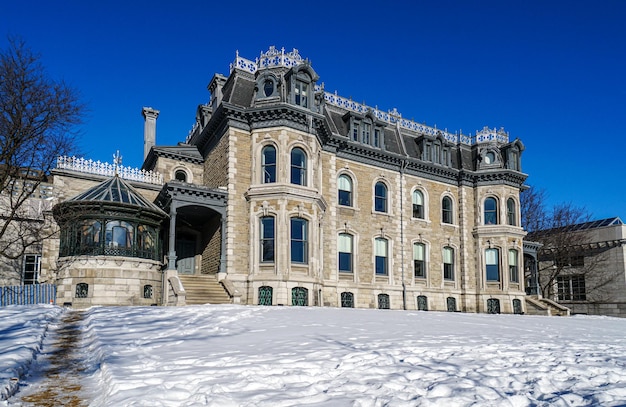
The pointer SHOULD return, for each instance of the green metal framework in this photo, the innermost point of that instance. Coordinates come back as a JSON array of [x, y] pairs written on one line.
[[265, 295], [299, 296]]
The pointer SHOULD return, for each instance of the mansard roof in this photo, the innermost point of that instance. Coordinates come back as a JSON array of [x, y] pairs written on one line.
[[182, 152]]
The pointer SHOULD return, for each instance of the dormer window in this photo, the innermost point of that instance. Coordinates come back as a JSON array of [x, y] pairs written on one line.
[[268, 87], [302, 94], [377, 138], [490, 157], [366, 133]]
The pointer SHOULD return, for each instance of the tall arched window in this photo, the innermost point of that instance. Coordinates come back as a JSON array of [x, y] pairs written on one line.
[[511, 212], [299, 240], [418, 204], [492, 261], [344, 186], [491, 211], [448, 263], [269, 164], [345, 253], [419, 260], [380, 251], [298, 166], [446, 210], [267, 235], [380, 197]]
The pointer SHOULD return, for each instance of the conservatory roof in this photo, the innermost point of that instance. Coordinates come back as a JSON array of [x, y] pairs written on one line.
[[117, 191]]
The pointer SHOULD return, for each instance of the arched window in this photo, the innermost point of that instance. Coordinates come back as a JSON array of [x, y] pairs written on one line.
[[517, 306], [380, 250], [298, 166], [299, 240], [446, 210], [451, 304], [147, 291], [419, 260], [383, 301], [267, 234], [448, 263], [492, 262], [511, 212], [418, 204], [299, 296], [82, 290], [180, 175], [265, 295], [493, 306], [268, 164], [268, 87], [344, 186], [491, 211], [513, 269], [422, 303], [380, 197], [347, 300], [345, 253]]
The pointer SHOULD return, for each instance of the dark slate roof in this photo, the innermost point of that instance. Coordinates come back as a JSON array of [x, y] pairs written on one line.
[[117, 191], [243, 92], [186, 152]]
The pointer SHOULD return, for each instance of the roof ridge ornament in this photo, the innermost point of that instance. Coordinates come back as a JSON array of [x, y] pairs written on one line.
[[117, 162]]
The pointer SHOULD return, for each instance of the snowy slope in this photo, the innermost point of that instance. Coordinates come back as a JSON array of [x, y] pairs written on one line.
[[231, 355]]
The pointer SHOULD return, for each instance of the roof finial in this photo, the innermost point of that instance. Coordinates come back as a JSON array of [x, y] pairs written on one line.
[[117, 161]]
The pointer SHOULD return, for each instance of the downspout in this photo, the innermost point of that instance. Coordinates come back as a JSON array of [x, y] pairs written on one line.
[[402, 168]]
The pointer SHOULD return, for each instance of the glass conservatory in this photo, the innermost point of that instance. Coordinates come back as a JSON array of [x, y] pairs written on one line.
[[110, 219]]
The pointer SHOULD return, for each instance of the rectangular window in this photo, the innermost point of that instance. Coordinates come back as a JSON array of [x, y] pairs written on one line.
[[299, 240], [513, 270], [492, 263], [355, 131], [302, 98], [376, 142], [366, 133], [32, 265], [380, 250], [571, 288]]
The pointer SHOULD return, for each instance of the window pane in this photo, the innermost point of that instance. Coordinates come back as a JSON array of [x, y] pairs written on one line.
[[491, 214], [299, 249], [269, 164], [418, 251], [491, 259], [345, 190], [298, 167], [267, 238], [380, 197]]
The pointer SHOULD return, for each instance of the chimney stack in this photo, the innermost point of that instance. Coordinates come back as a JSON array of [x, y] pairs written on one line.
[[149, 129]]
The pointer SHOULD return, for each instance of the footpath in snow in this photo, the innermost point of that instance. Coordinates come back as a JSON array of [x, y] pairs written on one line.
[[228, 355]]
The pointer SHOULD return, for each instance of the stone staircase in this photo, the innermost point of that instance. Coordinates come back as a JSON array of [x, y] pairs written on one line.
[[544, 306], [203, 289]]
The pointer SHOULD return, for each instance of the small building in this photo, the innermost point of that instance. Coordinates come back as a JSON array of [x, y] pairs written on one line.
[[586, 270], [110, 250]]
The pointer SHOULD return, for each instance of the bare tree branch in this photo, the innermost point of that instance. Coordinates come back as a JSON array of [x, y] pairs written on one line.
[[39, 118]]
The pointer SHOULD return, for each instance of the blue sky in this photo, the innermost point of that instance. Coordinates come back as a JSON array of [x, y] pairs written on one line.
[[552, 73]]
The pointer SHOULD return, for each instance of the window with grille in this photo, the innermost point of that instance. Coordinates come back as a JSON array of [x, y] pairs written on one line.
[[383, 301], [347, 300]]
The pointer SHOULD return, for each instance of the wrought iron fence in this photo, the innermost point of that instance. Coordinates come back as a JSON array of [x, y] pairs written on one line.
[[28, 294]]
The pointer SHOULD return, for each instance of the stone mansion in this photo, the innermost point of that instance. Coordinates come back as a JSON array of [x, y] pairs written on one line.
[[286, 194]]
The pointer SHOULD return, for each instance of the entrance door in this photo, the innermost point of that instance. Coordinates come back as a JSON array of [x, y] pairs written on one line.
[[185, 256]]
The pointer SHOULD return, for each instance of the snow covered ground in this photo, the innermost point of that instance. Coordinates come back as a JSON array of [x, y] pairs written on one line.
[[228, 355]]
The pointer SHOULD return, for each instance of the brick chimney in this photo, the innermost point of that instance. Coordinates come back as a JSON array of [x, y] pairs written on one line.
[[149, 129]]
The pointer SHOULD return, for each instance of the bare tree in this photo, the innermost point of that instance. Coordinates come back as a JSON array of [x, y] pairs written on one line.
[[568, 245], [39, 118]]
